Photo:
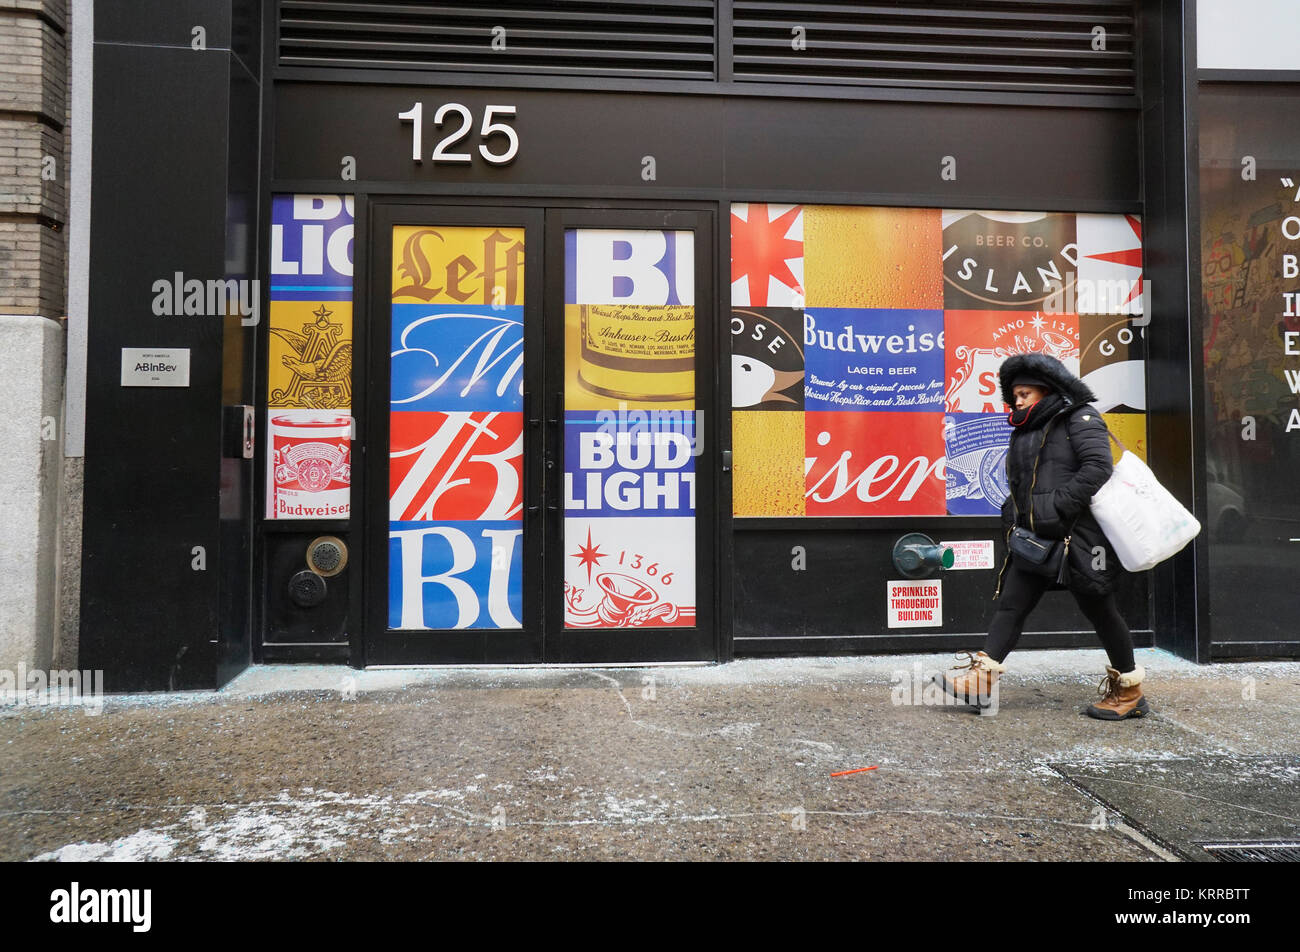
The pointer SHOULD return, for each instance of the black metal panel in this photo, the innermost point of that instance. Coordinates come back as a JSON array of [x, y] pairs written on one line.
[[569, 37], [840, 592], [1024, 45], [238, 376], [578, 139], [246, 34], [152, 464], [1006, 156], [1030, 158], [163, 23], [1171, 252], [289, 623]]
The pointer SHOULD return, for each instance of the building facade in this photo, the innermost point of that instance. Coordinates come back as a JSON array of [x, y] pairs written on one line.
[[636, 333]]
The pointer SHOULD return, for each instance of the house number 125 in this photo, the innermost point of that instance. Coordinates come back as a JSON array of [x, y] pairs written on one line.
[[442, 152]]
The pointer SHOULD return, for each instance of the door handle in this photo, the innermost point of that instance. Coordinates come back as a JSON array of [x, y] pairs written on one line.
[[528, 415], [559, 410], [726, 461]]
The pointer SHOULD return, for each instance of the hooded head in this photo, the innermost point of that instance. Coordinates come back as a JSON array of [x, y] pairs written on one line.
[[1040, 370]]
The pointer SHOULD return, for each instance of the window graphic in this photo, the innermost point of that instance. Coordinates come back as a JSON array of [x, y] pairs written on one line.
[[629, 429], [866, 344], [309, 372], [455, 450]]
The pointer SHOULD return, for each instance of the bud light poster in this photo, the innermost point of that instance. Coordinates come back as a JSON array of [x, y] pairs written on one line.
[[455, 479], [629, 528], [455, 574], [976, 448], [311, 247], [631, 433]]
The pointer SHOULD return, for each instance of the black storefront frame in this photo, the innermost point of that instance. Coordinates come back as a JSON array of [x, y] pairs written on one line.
[[728, 645], [1160, 190], [380, 212], [1164, 26]]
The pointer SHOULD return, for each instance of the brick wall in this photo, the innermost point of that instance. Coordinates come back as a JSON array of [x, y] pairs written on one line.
[[33, 156]]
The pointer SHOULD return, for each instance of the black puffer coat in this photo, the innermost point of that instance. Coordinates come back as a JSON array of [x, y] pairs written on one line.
[[1072, 449]]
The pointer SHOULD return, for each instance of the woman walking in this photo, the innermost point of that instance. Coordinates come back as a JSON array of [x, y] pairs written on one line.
[[1058, 458]]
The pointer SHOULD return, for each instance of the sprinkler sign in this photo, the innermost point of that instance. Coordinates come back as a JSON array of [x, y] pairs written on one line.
[[915, 604]]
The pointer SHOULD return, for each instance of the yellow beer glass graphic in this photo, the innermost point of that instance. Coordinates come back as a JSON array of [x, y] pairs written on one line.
[[630, 318]]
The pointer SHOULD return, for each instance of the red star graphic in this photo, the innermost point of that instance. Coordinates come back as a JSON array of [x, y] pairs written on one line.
[[759, 249], [589, 555], [1131, 257]]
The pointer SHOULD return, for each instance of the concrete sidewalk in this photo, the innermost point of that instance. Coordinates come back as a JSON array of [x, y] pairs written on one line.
[[722, 762]]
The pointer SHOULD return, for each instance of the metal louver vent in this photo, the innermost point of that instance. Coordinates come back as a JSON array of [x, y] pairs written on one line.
[[673, 40], [998, 45]]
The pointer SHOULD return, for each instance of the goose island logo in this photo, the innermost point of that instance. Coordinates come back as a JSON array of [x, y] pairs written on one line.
[[1007, 260], [320, 365]]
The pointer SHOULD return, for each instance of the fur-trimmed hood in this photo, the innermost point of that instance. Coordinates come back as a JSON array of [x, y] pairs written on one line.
[[1045, 368]]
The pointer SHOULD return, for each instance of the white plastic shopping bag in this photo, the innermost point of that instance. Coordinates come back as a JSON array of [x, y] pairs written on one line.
[[1143, 521]]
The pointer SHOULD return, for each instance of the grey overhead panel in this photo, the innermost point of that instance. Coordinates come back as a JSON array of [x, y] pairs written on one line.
[[1005, 46], [673, 40]]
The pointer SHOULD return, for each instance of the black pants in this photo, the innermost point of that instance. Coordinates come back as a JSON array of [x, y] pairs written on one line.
[[1021, 592]]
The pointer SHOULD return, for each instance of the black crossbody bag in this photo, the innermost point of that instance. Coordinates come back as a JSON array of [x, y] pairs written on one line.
[[1033, 553]]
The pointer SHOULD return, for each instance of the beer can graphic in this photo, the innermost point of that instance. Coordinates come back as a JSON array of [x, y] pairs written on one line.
[[638, 352], [311, 465]]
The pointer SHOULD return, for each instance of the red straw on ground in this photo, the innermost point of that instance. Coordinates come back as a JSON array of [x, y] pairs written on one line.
[[845, 773]]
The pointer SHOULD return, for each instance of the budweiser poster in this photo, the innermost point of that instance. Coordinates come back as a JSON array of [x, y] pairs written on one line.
[[866, 344], [309, 373], [455, 445], [874, 359]]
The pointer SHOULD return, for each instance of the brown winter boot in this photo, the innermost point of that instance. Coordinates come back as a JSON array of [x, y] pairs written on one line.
[[1121, 696], [974, 685]]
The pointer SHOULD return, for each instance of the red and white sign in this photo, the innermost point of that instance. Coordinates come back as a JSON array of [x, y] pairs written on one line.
[[311, 465], [915, 603], [971, 554], [459, 466]]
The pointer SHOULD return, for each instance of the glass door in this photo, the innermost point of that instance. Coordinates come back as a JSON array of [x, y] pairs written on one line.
[[539, 472], [631, 516], [454, 519]]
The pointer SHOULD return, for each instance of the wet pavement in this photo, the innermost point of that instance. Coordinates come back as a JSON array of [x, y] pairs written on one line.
[[721, 762]]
